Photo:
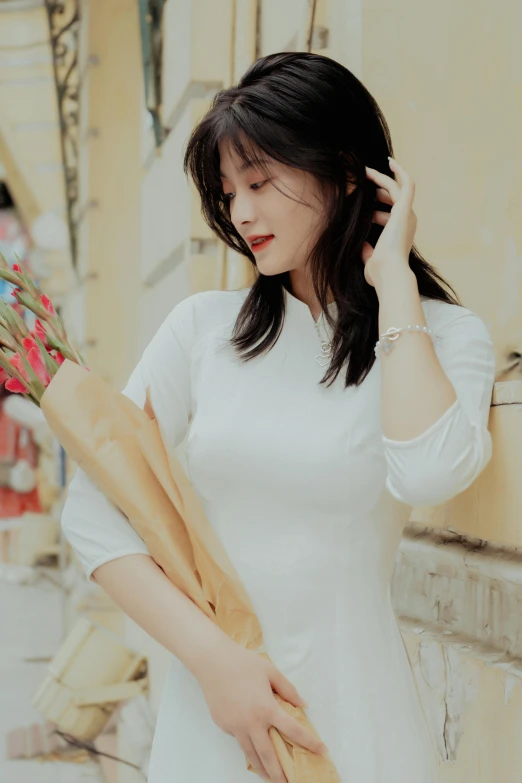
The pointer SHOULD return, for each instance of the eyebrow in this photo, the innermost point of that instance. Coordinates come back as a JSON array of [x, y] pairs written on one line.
[[250, 164]]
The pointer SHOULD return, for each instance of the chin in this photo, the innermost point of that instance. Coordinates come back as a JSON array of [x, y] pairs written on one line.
[[271, 270]]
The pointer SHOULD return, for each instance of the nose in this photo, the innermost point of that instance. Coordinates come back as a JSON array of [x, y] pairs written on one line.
[[242, 210]]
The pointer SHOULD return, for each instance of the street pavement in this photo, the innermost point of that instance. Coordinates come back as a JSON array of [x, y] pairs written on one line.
[[30, 633]]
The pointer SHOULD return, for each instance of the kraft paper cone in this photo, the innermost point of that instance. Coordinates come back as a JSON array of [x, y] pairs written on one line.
[[119, 446]]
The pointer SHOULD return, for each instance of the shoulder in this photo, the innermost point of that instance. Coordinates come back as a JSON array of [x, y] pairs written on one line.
[[201, 313], [451, 320]]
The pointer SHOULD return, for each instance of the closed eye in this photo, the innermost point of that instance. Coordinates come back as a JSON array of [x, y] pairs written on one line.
[[227, 197]]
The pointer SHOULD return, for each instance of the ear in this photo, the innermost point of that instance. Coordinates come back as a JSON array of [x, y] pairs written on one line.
[[350, 186]]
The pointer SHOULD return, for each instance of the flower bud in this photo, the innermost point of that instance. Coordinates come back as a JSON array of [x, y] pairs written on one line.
[[14, 385], [47, 304]]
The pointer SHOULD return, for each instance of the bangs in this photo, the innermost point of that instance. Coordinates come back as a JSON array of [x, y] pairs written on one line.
[[253, 138], [251, 153]]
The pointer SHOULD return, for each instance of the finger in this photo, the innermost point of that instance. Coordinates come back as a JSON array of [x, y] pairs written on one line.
[[266, 752], [383, 196], [285, 688], [297, 733], [397, 170], [252, 756], [366, 252], [384, 182], [406, 182], [381, 218]]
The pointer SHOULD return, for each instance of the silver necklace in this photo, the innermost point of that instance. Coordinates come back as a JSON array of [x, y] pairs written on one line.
[[324, 357]]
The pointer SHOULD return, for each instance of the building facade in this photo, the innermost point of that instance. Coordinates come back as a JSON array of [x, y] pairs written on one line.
[[447, 78]]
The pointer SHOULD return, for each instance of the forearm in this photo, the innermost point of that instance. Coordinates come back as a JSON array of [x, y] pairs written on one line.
[[415, 390], [141, 589]]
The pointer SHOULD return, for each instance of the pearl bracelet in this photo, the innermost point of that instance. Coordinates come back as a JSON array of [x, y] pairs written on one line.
[[394, 332]]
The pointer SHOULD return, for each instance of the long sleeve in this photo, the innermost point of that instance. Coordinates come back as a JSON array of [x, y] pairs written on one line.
[[96, 529], [446, 458]]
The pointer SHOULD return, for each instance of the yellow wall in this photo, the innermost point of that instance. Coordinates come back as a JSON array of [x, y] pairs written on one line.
[[447, 77], [110, 231]]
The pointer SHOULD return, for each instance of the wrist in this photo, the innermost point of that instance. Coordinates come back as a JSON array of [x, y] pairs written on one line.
[[205, 655], [395, 275]]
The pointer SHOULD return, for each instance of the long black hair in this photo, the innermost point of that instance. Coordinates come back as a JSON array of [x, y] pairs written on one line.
[[308, 112]]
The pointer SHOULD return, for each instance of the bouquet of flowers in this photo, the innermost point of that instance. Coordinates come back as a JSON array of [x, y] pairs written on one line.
[[119, 446], [30, 359]]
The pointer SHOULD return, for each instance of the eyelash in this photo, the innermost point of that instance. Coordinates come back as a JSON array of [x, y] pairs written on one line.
[[227, 197]]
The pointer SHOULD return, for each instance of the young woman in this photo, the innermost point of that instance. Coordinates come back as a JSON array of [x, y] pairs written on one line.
[[308, 444]]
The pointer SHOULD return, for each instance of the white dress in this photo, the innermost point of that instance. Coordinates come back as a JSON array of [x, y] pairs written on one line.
[[309, 500]]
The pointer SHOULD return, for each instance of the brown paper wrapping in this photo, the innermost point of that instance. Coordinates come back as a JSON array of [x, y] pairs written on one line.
[[120, 448]]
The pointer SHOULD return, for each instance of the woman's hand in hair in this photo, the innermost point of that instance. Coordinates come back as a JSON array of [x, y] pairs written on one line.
[[392, 249]]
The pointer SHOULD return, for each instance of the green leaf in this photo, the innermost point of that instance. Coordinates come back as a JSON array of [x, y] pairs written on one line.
[[82, 360], [22, 326], [53, 340], [9, 275], [6, 338], [24, 276], [56, 343], [36, 385], [13, 327], [59, 346], [3, 309], [32, 304]]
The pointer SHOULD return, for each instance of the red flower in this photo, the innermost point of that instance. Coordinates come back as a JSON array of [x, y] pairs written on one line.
[[47, 304], [34, 357], [17, 364], [14, 385], [57, 356], [28, 343], [13, 292], [3, 375], [40, 332], [17, 268]]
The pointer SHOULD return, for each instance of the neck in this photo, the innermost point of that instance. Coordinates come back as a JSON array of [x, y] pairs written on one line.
[[302, 289]]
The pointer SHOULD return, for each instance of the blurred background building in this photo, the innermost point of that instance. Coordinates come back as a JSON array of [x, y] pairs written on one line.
[[97, 99]]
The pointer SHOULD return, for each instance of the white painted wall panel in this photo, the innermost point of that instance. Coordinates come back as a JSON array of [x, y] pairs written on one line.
[[282, 28], [165, 201], [197, 47]]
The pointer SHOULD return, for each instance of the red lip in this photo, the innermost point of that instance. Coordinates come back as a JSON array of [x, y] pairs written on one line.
[[261, 245]]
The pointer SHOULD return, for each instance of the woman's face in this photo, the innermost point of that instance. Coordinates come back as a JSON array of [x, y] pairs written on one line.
[[261, 207]]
